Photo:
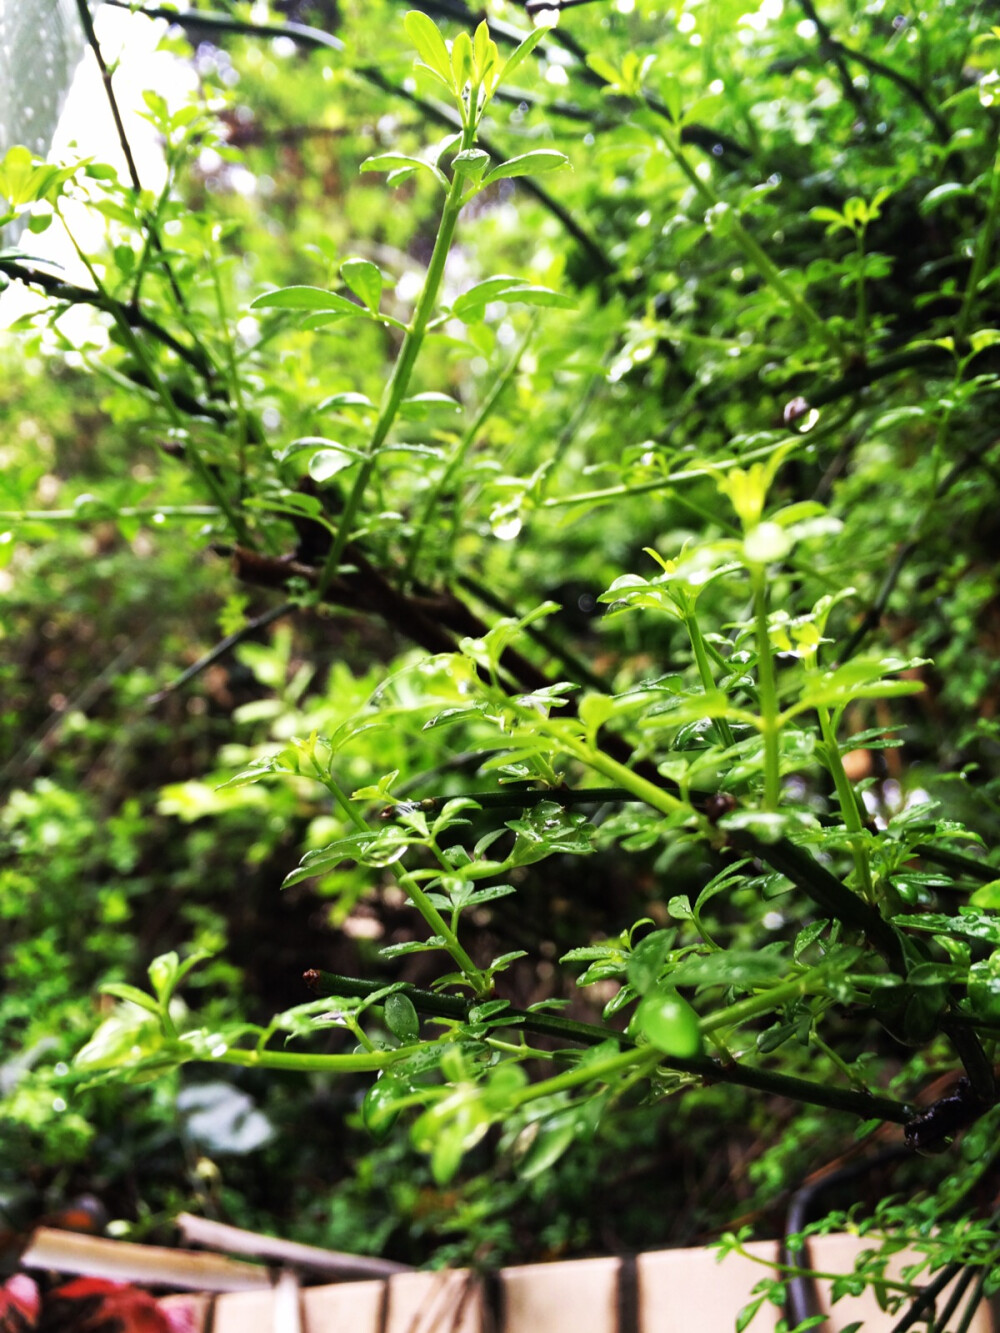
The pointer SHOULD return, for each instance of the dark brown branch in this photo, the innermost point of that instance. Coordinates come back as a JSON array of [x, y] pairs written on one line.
[[74, 295], [831, 49], [860, 377], [873, 616], [839, 51], [864, 1104]]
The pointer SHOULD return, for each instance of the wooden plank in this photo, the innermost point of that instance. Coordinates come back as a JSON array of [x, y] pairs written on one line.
[[684, 1290], [357, 1306], [450, 1301], [272, 1249], [671, 1291], [244, 1312], [580, 1295], [152, 1265]]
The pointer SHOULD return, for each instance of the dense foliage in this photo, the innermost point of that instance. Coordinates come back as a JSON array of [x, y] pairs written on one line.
[[539, 508]]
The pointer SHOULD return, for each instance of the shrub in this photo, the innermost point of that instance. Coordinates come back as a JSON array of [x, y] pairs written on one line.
[[630, 489]]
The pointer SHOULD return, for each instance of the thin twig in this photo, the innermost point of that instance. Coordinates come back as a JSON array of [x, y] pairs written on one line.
[[901, 81], [55, 287], [839, 51], [873, 615], [220, 650], [83, 9], [87, 22], [518, 798], [29, 757]]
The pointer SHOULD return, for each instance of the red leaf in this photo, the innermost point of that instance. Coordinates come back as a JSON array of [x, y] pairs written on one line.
[[19, 1305], [94, 1305]]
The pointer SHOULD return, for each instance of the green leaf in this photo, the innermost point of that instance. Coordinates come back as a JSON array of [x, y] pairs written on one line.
[[537, 295], [120, 1041], [380, 1107], [471, 305], [163, 974], [528, 164], [471, 163], [25, 180], [835, 221], [347, 399], [421, 405], [603, 68], [305, 298], [401, 1018], [969, 924], [364, 280], [544, 1144], [481, 46], [401, 163], [423, 32], [670, 92], [326, 463], [943, 194], [132, 994], [350, 848], [747, 1314], [730, 967], [482, 292], [647, 960], [987, 896], [461, 60], [521, 53], [430, 945]]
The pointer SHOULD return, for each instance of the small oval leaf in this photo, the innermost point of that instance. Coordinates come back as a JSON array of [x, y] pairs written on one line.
[[364, 280], [528, 164]]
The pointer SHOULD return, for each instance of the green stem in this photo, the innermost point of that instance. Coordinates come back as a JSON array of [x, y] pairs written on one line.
[[833, 898], [755, 1005], [414, 892], [643, 1061], [357, 1062], [399, 381], [177, 419], [836, 1060], [720, 725], [984, 245], [641, 788], [753, 251], [848, 802], [236, 391], [907, 1288], [593, 1071], [860, 1103], [437, 1005], [667, 482], [767, 689]]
